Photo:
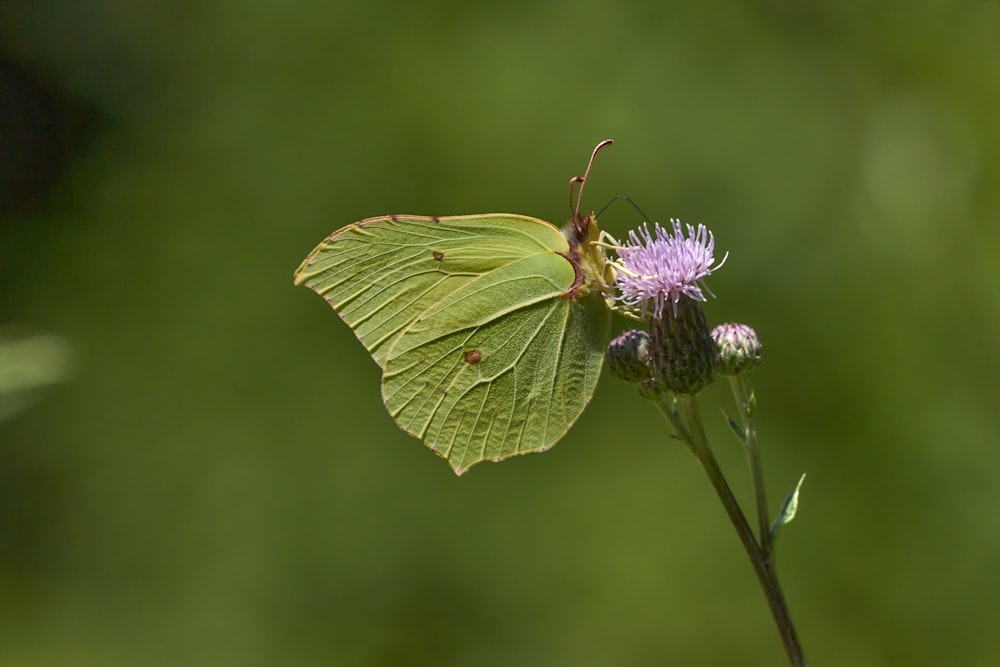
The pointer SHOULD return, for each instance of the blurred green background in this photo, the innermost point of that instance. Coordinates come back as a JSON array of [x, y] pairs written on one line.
[[217, 482]]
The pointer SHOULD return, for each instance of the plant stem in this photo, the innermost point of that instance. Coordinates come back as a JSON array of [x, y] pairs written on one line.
[[744, 402], [693, 432]]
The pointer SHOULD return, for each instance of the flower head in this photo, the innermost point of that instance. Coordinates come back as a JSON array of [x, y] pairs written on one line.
[[739, 348], [660, 268]]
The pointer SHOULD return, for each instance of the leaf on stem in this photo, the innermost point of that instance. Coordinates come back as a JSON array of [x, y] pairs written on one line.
[[788, 509]]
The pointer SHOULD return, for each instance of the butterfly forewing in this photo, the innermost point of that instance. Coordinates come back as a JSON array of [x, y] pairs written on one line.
[[381, 274]]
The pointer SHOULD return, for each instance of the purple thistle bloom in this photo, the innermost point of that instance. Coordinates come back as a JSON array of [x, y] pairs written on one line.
[[652, 272]]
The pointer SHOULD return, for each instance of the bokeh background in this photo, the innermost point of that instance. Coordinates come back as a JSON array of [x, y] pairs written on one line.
[[215, 480]]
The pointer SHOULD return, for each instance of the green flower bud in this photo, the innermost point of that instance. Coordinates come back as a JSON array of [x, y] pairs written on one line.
[[739, 348], [628, 356], [682, 353]]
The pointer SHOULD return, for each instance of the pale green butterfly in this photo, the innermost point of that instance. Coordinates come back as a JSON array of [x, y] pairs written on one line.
[[490, 329]]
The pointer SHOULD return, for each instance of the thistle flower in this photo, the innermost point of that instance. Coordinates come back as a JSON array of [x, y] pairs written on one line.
[[659, 268], [739, 348], [662, 274]]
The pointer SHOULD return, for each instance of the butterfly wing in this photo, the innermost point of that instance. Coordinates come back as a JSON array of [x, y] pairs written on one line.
[[381, 274], [484, 353]]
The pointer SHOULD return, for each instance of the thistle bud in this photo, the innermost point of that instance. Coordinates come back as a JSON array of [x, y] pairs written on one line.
[[739, 348], [628, 356], [682, 353]]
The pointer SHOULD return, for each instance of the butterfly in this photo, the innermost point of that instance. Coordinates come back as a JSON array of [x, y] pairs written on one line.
[[490, 329]]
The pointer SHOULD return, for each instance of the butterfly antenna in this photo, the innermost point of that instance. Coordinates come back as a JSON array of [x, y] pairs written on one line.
[[582, 180], [629, 200], [572, 182]]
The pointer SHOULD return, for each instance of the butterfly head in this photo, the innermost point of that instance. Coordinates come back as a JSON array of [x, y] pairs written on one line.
[[594, 272]]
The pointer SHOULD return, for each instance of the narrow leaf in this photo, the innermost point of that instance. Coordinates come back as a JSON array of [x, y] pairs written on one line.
[[788, 509]]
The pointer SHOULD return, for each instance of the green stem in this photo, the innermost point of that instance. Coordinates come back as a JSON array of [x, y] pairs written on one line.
[[693, 432], [744, 398]]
